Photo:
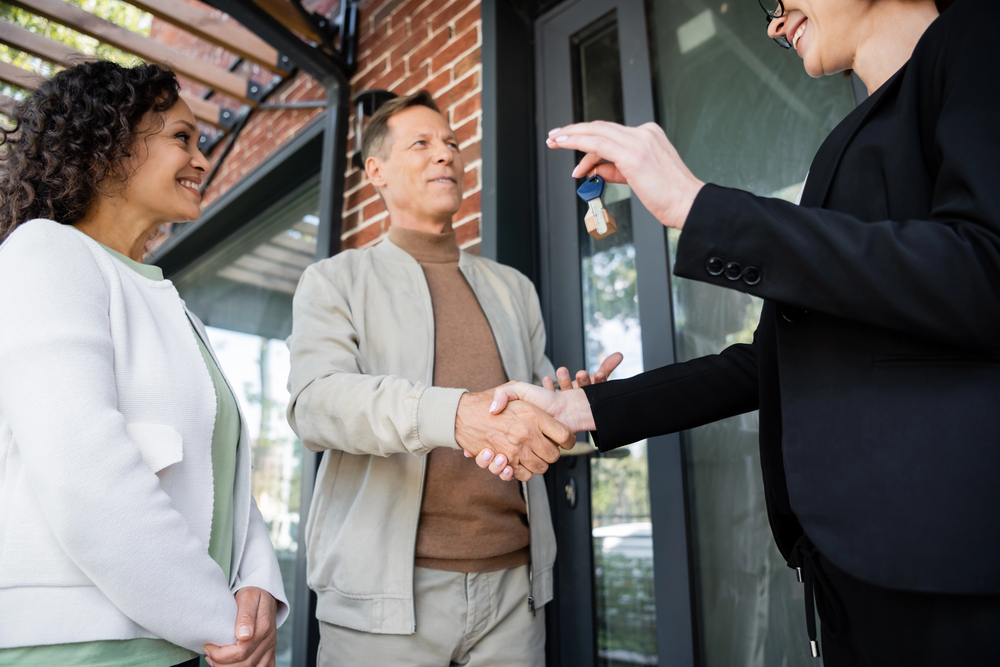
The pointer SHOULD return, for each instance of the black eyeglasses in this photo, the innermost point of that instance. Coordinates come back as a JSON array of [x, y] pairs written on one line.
[[777, 10]]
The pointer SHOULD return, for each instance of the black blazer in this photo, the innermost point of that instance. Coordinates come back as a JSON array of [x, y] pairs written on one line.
[[876, 363]]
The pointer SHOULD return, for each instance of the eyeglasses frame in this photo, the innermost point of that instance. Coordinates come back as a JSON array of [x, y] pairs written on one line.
[[780, 41]]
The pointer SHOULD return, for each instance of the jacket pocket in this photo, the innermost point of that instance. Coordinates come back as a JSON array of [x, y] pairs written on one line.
[[161, 445]]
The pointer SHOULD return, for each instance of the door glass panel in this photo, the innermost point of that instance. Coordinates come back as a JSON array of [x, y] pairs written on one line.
[[622, 532], [243, 294], [742, 113]]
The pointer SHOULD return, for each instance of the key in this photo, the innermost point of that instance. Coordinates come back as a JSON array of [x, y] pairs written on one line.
[[599, 222]]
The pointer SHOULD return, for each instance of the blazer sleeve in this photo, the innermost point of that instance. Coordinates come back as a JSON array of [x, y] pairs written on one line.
[[675, 397], [334, 405], [59, 399], [259, 564], [937, 278]]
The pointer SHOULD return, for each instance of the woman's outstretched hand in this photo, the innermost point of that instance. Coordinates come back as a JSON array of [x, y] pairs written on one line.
[[641, 157], [569, 406]]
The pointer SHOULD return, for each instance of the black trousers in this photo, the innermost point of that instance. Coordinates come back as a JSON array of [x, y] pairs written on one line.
[[193, 662], [867, 626]]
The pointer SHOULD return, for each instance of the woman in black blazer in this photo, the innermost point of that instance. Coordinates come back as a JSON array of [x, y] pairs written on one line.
[[876, 363]]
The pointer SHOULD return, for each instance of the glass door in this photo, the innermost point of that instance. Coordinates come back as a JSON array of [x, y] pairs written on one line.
[[742, 113], [616, 604], [665, 554], [242, 292]]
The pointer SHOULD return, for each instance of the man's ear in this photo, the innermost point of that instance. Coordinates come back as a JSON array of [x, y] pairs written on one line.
[[374, 170]]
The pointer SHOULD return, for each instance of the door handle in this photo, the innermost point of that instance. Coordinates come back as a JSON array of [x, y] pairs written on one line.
[[570, 490]]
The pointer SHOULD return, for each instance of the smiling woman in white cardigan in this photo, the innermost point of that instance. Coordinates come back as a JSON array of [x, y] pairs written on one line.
[[128, 535]]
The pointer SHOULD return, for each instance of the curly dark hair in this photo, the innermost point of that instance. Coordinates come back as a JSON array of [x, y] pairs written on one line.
[[74, 134]]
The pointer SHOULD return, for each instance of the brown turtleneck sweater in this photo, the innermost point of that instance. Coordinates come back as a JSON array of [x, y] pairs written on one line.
[[470, 520]]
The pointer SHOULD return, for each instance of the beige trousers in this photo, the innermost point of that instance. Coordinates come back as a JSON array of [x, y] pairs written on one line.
[[473, 620]]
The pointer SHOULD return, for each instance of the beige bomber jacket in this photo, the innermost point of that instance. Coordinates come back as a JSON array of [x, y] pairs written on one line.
[[362, 362]]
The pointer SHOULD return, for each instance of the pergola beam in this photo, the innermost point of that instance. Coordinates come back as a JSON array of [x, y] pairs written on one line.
[[46, 49], [7, 105], [148, 49], [208, 112], [223, 32], [288, 15], [20, 77], [202, 110]]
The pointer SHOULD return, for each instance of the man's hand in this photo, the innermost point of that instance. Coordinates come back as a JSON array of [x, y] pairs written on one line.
[[642, 157], [256, 632], [525, 437], [583, 378]]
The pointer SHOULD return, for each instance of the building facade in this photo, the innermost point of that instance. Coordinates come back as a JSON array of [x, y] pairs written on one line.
[[665, 555]]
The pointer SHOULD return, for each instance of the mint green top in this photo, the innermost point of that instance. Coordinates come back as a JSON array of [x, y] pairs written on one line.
[[145, 652]]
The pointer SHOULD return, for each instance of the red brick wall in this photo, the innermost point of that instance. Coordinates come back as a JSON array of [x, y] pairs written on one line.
[[405, 45]]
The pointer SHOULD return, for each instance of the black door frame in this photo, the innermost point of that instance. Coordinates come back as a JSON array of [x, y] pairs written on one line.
[[560, 280]]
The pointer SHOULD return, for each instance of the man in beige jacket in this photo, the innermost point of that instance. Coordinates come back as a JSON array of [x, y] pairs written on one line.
[[418, 556]]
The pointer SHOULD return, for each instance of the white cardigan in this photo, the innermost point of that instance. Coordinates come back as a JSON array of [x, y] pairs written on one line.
[[106, 419]]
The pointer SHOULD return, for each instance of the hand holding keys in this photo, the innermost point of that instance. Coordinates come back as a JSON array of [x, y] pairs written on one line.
[[599, 221]]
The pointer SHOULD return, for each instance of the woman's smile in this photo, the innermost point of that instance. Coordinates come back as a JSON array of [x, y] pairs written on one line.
[[191, 185], [799, 31]]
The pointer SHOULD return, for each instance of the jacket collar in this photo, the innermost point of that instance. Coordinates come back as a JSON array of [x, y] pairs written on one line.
[[828, 157], [388, 250]]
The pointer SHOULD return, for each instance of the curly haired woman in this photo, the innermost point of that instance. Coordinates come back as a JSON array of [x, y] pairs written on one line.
[[128, 535]]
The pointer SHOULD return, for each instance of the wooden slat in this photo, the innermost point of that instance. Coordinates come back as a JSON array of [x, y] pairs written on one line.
[[306, 228], [288, 257], [292, 243], [17, 76], [204, 110], [148, 49], [288, 16], [228, 34], [24, 40], [261, 265], [257, 279], [38, 45], [7, 105]]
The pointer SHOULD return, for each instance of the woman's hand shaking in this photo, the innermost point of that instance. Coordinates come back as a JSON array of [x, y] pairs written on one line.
[[569, 405]]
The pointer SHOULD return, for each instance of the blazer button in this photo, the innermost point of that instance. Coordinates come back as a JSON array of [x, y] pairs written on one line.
[[714, 266], [793, 315], [733, 271], [751, 275]]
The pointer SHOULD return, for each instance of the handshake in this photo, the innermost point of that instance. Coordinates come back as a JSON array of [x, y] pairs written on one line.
[[516, 430]]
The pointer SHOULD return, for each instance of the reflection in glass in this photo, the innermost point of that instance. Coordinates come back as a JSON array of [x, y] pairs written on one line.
[[743, 114], [243, 291], [622, 531]]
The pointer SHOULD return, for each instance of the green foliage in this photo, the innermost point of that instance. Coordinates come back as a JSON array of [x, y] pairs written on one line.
[[609, 293], [116, 11], [626, 609], [620, 487]]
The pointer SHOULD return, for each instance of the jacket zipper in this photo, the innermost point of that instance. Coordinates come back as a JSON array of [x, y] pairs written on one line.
[[423, 467], [524, 485], [531, 565]]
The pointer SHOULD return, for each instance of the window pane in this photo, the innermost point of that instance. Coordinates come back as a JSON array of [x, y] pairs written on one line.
[[742, 113], [243, 293], [622, 531]]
